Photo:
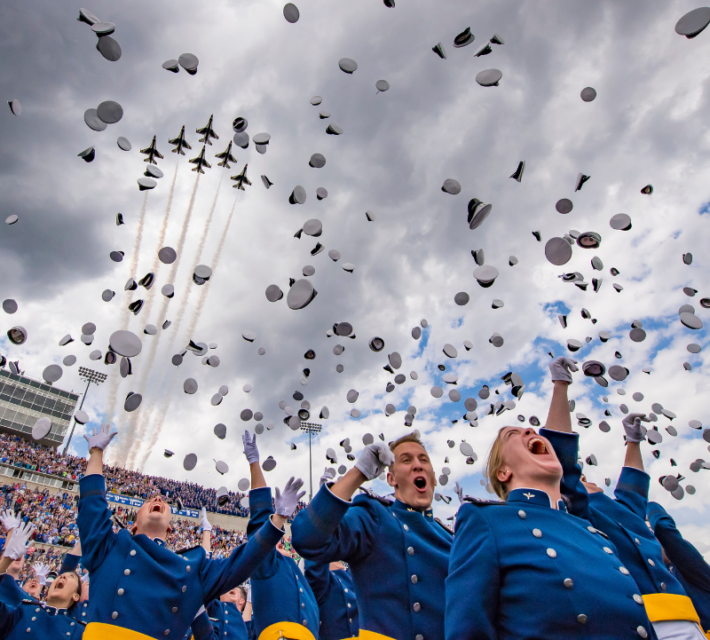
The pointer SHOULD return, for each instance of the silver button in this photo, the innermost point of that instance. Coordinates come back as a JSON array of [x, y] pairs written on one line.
[[417, 607], [350, 606], [28, 629], [419, 636], [127, 572], [301, 590], [642, 631], [582, 619], [305, 623], [175, 609], [34, 618], [638, 599], [184, 589], [624, 570], [187, 568], [537, 533], [303, 605], [663, 586], [345, 590], [133, 552], [608, 550], [406, 528], [37, 609], [552, 553], [415, 579], [651, 562], [522, 514], [350, 620], [637, 541], [410, 551], [121, 592], [114, 615], [166, 632], [568, 582]]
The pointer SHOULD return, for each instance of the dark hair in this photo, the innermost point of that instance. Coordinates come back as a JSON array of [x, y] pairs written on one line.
[[78, 577]]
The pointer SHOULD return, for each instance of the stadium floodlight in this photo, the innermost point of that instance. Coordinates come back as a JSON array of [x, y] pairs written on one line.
[[90, 376], [311, 428]]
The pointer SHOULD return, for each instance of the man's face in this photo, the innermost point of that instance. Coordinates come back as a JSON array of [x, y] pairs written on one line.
[[154, 515], [412, 476], [235, 596], [33, 587], [528, 457], [64, 591]]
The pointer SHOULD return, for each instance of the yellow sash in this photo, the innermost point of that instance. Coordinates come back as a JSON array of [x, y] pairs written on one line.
[[101, 631], [287, 631], [371, 635], [664, 607]]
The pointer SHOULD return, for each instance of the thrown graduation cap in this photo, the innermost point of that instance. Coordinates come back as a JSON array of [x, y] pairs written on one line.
[[222, 495], [171, 65], [518, 173], [69, 361], [92, 120], [593, 368], [439, 50], [269, 464], [9, 306], [464, 38], [462, 298], [689, 291], [484, 51], [201, 274], [618, 373], [688, 258], [15, 107], [132, 402], [313, 227], [496, 340], [52, 373], [489, 77], [637, 334], [588, 94], [273, 293], [574, 345], [450, 351], [693, 22], [564, 206], [300, 295], [13, 218], [125, 343], [249, 336], [348, 65], [144, 184], [352, 396], [109, 48], [190, 386], [620, 222], [589, 240], [298, 195], [486, 275], [581, 179], [436, 392], [558, 251], [691, 321], [103, 28], [189, 62], [291, 13], [41, 428], [334, 129], [221, 467], [109, 112], [451, 186], [189, 462], [107, 295], [382, 86], [317, 161], [477, 213], [81, 416], [116, 256]]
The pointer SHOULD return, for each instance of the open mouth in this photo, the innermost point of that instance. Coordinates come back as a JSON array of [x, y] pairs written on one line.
[[537, 447], [59, 584], [420, 483], [157, 507]]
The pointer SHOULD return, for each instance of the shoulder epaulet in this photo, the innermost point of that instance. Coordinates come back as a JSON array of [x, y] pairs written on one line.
[[29, 601], [482, 502], [444, 526], [382, 500], [188, 549]]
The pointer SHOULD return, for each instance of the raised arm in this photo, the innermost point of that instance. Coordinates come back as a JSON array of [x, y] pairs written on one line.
[[9, 615], [633, 485], [206, 532], [71, 559], [318, 576], [558, 417], [374, 459]]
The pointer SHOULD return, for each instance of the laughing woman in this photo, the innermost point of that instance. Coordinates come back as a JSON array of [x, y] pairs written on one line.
[[524, 568]]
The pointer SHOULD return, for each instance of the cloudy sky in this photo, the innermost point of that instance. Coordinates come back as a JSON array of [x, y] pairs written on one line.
[[647, 126]]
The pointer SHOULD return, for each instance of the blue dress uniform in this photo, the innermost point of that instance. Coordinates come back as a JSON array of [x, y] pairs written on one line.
[[139, 584], [689, 566], [32, 620], [624, 521], [399, 557], [227, 621], [521, 569], [335, 594], [279, 591]]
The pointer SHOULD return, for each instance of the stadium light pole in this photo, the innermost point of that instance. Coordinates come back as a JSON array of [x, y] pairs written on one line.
[[90, 376], [310, 428]]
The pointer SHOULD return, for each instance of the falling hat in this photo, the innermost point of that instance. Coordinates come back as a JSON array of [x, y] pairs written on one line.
[[382, 85], [41, 428], [589, 240], [620, 222], [273, 293], [52, 373], [109, 112], [618, 373], [464, 38], [518, 173], [300, 295], [171, 65], [451, 186], [189, 462], [496, 340], [377, 344], [581, 179], [189, 62], [588, 94], [593, 368], [486, 275], [298, 195], [334, 129], [564, 206], [125, 343], [489, 77], [87, 155], [558, 251], [291, 13], [693, 22], [109, 48], [348, 65], [133, 401], [439, 50], [462, 298], [9, 306]]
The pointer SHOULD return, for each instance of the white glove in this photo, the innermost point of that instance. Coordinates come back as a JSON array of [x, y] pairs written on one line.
[[285, 503], [9, 520], [561, 369], [632, 426], [205, 524], [101, 437], [327, 476], [17, 546], [250, 448], [41, 571], [247, 588], [459, 492], [374, 459]]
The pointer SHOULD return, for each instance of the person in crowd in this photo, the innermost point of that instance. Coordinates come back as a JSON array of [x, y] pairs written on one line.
[[30, 618], [284, 605], [622, 519], [137, 583], [685, 562], [226, 615], [397, 551]]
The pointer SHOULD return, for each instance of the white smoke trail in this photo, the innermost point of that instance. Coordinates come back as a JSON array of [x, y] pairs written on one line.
[[167, 393], [126, 445]]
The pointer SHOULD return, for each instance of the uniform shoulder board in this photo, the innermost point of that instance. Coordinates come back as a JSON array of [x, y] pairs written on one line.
[[188, 549], [444, 526], [387, 502], [28, 601], [482, 502]]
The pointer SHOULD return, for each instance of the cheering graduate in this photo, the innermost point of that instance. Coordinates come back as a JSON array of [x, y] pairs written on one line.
[[622, 519], [687, 563], [397, 551], [139, 586], [284, 605], [29, 618], [525, 568]]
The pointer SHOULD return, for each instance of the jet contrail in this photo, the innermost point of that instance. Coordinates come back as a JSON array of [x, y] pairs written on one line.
[[158, 427], [127, 440]]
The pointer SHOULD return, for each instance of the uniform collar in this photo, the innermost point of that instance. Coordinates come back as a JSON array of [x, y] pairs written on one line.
[[401, 506], [159, 541], [54, 611], [534, 496]]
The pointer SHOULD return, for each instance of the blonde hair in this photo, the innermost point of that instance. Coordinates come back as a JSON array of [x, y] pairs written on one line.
[[494, 465]]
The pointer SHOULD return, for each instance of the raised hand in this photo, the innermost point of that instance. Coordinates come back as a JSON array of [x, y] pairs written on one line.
[[17, 546], [205, 524], [327, 476], [41, 571], [9, 520], [285, 503], [101, 438], [459, 492], [561, 369], [632, 426], [374, 459], [250, 449]]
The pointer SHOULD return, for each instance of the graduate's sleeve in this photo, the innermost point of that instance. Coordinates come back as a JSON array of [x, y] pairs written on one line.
[[318, 576], [260, 509], [95, 522], [473, 583], [331, 529], [632, 490], [566, 446]]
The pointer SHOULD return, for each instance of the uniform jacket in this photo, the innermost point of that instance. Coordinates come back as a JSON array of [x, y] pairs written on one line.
[[335, 594], [227, 621], [522, 570], [139, 584], [622, 519], [279, 591], [398, 555], [689, 566], [32, 620]]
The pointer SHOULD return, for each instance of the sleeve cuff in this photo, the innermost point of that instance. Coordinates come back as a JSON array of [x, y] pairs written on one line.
[[268, 535], [634, 480], [202, 626], [92, 485]]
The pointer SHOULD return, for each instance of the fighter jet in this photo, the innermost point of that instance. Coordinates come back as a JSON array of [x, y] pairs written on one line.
[[207, 133], [200, 161], [226, 157], [152, 153], [241, 179], [180, 142]]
